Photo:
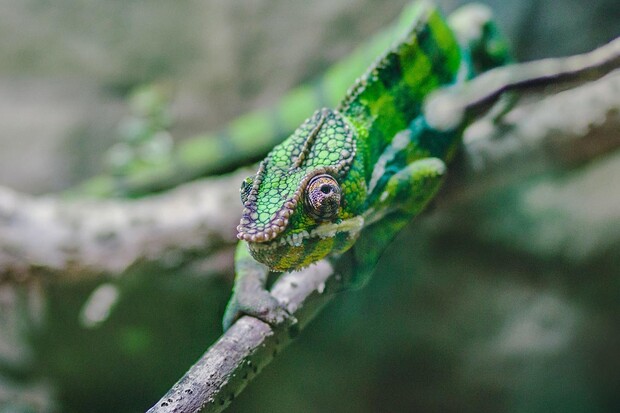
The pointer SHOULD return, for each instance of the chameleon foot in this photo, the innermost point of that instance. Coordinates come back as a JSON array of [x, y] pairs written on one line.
[[259, 304]]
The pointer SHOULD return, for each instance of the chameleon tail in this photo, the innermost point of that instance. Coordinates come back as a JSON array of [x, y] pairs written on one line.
[[484, 44]]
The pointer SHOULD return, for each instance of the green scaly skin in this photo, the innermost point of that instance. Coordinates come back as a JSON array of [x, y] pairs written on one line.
[[359, 173]]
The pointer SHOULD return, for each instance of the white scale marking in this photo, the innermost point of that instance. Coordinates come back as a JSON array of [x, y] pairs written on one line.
[[352, 226]]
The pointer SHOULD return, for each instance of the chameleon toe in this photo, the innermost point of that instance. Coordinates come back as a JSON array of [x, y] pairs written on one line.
[[261, 305]]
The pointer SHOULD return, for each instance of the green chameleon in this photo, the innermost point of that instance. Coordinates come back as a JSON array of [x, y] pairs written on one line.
[[355, 175]]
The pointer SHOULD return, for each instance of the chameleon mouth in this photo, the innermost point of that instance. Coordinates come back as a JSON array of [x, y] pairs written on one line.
[[299, 250], [326, 230]]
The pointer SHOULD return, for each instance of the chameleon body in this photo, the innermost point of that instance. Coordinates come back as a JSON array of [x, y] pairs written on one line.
[[355, 175]]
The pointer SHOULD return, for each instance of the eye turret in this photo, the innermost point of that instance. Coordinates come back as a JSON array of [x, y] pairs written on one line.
[[322, 197]]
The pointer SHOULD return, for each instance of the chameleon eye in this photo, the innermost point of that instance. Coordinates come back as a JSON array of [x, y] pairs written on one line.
[[322, 198], [246, 187]]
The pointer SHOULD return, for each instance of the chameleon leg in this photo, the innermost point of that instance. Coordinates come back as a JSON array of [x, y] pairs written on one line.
[[405, 195], [410, 189], [250, 296]]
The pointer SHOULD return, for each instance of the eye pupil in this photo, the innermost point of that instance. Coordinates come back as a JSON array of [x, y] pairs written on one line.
[[322, 197]]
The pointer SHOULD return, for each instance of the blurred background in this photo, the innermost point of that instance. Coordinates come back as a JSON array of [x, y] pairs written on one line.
[[509, 303]]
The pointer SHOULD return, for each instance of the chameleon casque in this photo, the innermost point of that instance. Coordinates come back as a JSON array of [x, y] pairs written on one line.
[[353, 176]]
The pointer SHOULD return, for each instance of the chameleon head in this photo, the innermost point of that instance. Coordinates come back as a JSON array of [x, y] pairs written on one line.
[[298, 193]]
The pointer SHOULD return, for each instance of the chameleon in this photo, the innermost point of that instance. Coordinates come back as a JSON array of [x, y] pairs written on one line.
[[349, 178]]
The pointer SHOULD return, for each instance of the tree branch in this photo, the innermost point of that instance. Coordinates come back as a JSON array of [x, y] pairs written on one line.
[[80, 238], [558, 131], [249, 345]]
